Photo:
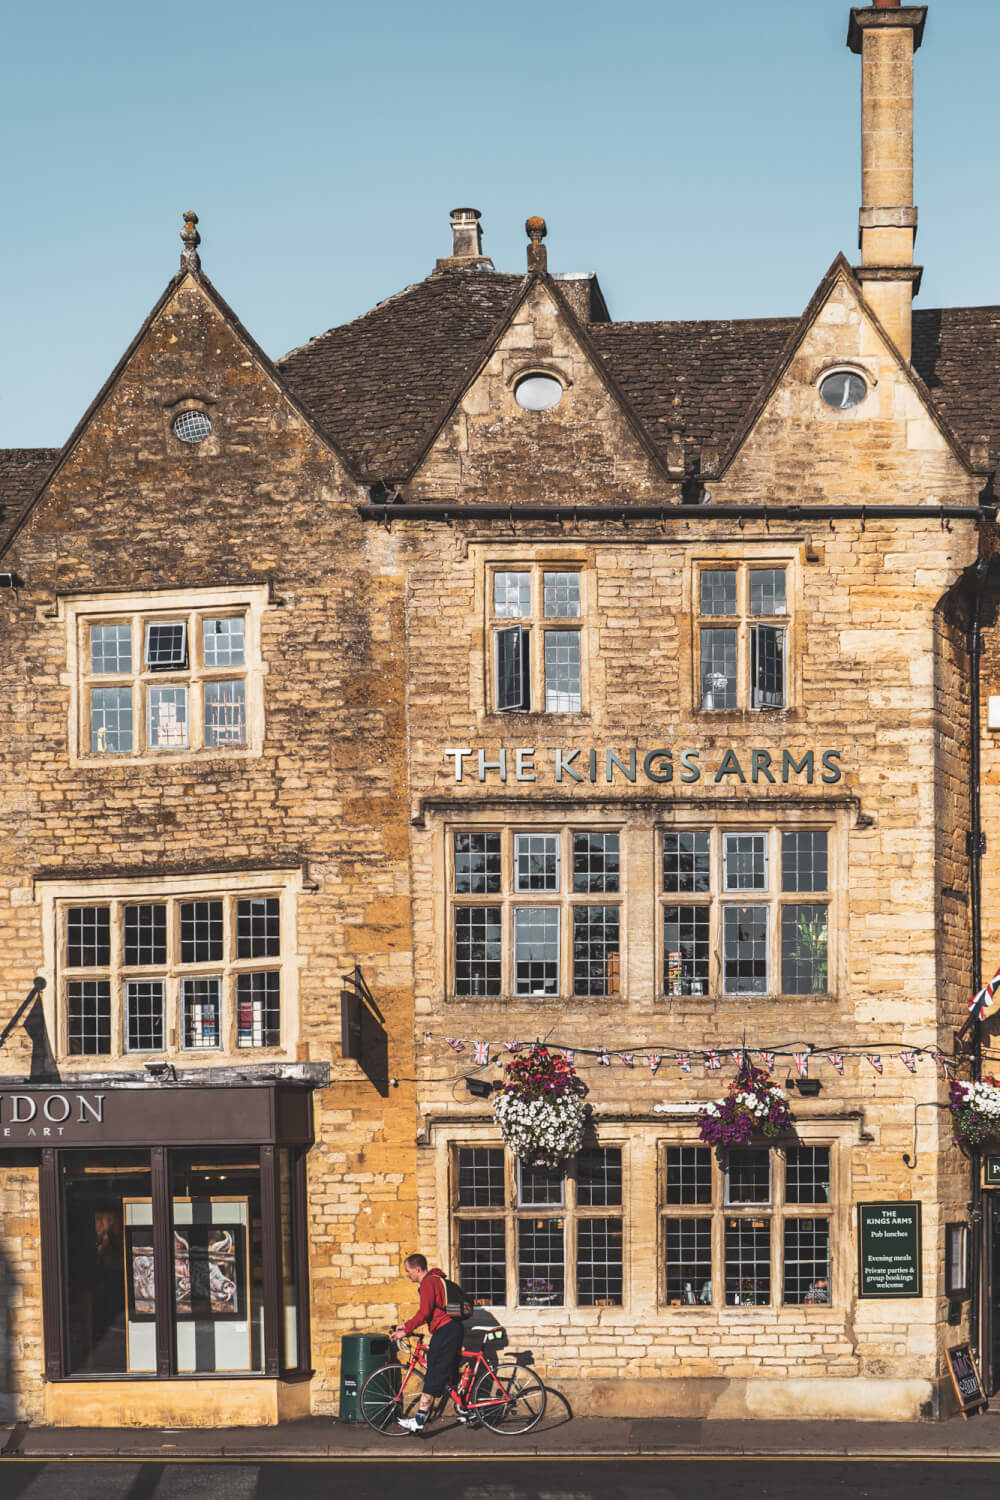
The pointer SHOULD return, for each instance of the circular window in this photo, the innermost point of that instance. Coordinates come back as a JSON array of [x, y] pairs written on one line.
[[843, 389], [192, 427], [537, 392]]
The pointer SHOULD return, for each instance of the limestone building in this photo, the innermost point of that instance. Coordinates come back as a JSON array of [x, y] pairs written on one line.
[[488, 670]]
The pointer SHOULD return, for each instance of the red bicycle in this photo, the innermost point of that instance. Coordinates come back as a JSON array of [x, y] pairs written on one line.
[[507, 1398]]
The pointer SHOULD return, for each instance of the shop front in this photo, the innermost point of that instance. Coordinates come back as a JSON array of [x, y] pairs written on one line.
[[197, 1189]]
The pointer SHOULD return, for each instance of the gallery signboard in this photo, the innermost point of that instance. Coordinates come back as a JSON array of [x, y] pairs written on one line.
[[889, 1250], [154, 1114]]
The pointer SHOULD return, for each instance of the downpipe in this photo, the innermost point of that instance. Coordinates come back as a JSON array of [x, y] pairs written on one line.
[[975, 852]]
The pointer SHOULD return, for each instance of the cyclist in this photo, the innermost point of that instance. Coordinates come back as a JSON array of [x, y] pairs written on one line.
[[445, 1346]]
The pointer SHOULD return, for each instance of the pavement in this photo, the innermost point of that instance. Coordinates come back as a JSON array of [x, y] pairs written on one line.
[[560, 1435]]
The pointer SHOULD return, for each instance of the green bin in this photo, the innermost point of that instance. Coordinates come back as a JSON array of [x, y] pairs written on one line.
[[360, 1354]]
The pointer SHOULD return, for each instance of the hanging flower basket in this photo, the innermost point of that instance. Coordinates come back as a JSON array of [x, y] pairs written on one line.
[[539, 1108], [754, 1106], [975, 1111]]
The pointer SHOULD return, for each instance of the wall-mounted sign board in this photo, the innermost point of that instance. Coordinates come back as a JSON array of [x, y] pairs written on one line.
[[889, 1250], [991, 1171], [966, 1379]]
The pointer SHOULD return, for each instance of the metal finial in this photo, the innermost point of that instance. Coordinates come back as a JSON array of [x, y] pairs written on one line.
[[190, 259], [536, 230]]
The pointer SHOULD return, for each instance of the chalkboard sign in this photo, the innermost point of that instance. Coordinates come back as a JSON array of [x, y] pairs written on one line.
[[965, 1377], [889, 1250]]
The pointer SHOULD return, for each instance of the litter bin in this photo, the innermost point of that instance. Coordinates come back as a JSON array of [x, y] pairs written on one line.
[[360, 1354]]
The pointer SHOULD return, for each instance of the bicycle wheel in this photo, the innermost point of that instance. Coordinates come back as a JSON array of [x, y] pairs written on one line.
[[385, 1398], [511, 1400]]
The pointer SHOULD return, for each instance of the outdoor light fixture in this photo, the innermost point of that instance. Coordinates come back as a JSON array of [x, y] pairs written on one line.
[[479, 1088], [162, 1072]]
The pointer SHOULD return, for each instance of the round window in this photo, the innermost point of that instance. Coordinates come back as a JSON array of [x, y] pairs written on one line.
[[843, 389], [192, 426], [537, 392]]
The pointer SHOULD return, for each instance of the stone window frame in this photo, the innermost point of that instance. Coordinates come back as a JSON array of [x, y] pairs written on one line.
[[742, 560], [717, 822], [536, 625], [57, 895], [777, 1211], [81, 611], [508, 898], [511, 1212]]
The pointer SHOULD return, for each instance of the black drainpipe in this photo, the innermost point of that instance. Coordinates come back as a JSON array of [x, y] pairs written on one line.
[[975, 849]]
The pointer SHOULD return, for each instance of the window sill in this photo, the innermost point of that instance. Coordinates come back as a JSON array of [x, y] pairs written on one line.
[[742, 997], [533, 1000]]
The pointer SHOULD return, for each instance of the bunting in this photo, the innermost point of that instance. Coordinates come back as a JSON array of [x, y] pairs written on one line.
[[684, 1061], [802, 1063], [481, 1053], [713, 1060], [628, 1059], [908, 1059], [455, 1044], [875, 1060], [604, 1059], [569, 1053], [654, 1061], [982, 1002], [768, 1060], [836, 1060]]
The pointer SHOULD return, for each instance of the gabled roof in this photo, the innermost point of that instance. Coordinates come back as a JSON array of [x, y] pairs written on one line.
[[22, 473]]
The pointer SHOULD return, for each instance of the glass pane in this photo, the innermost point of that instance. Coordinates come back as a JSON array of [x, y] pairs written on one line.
[[767, 591], [596, 950], [685, 862], [718, 669], [561, 595], [804, 861], [541, 1262], [480, 1177], [290, 1293], [748, 1262], [225, 713], [166, 645], [599, 1262], [599, 1177], [88, 937], [482, 1260], [685, 950], [748, 1174], [477, 863], [477, 950], [258, 1010], [108, 1292], [258, 927], [807, 1174], [110, 648], [512, 595], [803, 950], [744, 861], [223, 642], [536, 950], [688, 1255], [807, 1261], [744, 950], [595, 862], [689, 1174], [767, 666], [513, 677], [145, 935], [718, 592], [88, 1017], [538, 1187], [168, 718], [200, 1004], [201, 932], [536, 862], [218, 1260], [144, 1015], [562, 671], [110, 721]]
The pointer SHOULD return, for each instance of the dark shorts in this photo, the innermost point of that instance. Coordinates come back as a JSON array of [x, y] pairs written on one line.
[[442, 1358]]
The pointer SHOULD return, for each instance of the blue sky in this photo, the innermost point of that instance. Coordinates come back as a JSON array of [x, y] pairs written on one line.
[[703, 158]]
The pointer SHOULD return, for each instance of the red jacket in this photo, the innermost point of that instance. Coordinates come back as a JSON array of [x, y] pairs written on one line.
[[432, 1303]]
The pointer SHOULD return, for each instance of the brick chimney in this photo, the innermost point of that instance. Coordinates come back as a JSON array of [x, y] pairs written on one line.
[[466, 243], [886, 35]]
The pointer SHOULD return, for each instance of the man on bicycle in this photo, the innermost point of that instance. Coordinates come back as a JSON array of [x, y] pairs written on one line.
[[445, 1347]]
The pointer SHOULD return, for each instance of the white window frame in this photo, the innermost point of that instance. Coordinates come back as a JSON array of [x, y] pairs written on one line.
[[531, 630], [745, 626]]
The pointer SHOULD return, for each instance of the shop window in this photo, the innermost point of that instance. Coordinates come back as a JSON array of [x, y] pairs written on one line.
[[732, 916], [176, 970], [742, 630], [750, 1230], [168, 672], [220, 1314], [531, 1237], [548, 928], [536, 639]]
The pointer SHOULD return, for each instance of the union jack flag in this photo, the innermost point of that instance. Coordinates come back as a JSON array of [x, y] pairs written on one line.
[[628, 1059], [455, 1044], [984, 999], [481, 1053], [684, 1061], [737, 1056], [604, 1059], [768, 1059], [512, 1046], [569, 1053], [802, 1063], [713, 1060], [875, 1060], [908, 1058], [837, 1059], [654, 1061]]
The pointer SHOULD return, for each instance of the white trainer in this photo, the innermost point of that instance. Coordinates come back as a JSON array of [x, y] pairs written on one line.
[[410, 1423]]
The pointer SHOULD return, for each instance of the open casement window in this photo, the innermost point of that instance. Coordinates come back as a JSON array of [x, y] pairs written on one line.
[[532, 1237], [536, 633], [742, 631], [750, 1229]]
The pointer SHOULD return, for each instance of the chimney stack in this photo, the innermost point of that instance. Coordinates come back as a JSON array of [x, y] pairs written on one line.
[[886, 35], [466, 243]]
